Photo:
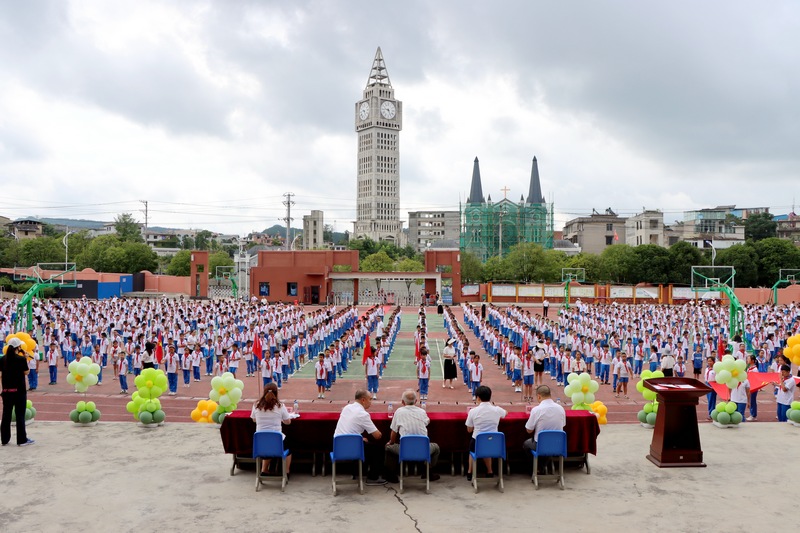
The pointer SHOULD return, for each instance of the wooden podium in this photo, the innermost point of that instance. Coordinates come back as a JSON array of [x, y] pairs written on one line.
[[676, 441]]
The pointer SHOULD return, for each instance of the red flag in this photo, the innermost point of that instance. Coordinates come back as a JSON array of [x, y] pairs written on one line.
[[159, 349], [257, 350], [416, 349], [525, 345], [616, 237], [367, 350]]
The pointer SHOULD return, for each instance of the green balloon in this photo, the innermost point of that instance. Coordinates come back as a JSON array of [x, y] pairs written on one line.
[[649, 395], [794, 415], [146, 417], [28, 404], [33, 411], [215, 417], [73, 415], [28, 414], [131, 407], [222, 417], [642, 416], [651, 419], [648, 408], [736, 417], [714, 415], [795, 405], [85, 417], [731, 408], [724, 418], [159, 416], [90, 406], [95, 415], [81, 406]]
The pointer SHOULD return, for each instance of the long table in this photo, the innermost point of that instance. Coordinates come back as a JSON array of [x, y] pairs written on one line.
[[312, 434]]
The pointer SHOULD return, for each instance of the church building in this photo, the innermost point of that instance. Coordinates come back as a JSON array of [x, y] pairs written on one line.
[[492, 228]]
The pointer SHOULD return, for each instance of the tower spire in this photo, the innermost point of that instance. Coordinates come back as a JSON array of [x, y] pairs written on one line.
[[535, 189], [378, 75], [476, 190]]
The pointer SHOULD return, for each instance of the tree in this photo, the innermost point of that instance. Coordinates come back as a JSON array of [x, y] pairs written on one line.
[[760, 226], [616, 263], [327, 233], [139, 257], [773, 255], [41, 250], [187, 242], [77, 243], [744, 259], [92, 254], [377, 262], [218, 259], [471, 268], [128, 230], [497, 269], [650, 264], [202, 239], [409, 265], [521, 261], [180, 265], [114, 259], [9, 252], [682, 256]]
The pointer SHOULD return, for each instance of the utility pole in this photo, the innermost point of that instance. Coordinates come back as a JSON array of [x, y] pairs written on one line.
[[144, 233], [288, 203]]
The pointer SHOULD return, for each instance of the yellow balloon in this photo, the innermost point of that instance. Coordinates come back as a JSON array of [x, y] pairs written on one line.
[[196, 415], [602, 420], [792, 341]]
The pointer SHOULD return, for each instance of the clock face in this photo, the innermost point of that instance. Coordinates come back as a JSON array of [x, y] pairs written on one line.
[[388, 110], [363, 110]]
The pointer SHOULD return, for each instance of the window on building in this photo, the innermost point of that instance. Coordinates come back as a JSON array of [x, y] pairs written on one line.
[[291, 288], [609, 227], [263, 288], [609, 240]]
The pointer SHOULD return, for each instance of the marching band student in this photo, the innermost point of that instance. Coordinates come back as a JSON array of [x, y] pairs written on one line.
[[321, 375], [423, 372], [475, 373]]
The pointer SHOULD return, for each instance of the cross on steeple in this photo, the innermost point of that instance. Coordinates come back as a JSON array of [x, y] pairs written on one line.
[[505, 192]]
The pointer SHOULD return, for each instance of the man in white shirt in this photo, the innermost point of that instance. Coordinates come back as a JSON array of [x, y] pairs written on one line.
[[355, 420], [548, 415], [484, 418], [408, 420]]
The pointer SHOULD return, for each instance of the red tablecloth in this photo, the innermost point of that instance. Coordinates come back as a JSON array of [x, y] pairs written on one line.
[[313, 432]]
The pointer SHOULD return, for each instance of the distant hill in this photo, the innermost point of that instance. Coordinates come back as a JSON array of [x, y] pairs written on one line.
[[73, 223]]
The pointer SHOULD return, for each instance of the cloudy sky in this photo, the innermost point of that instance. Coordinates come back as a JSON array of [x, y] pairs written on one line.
[[211, 110]]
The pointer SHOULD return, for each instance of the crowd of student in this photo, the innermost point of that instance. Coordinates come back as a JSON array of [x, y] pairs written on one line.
[[191, 336]]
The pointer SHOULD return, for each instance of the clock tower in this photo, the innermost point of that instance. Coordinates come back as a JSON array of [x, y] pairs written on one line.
[[379, 119]]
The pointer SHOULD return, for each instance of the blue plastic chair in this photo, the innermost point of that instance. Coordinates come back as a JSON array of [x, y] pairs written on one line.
[[550, 443], [348, 448], [416, 448], [493, 446], [269, 444]]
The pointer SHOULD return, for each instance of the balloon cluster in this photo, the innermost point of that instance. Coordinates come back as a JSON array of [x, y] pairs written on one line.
[[204, 411], [28, 342], [85, 413], [726, 415], [792, 349], [600, 411], [30, 412], [794, 413], [145, 405], [83, 374], [581, 389], [226, 390], [730, 372], [649, 411]]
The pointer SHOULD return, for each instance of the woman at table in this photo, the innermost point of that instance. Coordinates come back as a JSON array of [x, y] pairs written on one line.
[[449, 355], [268, 413]]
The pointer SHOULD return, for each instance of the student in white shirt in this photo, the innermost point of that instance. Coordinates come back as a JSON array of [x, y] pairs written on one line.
[[785, 395], [483, 418]]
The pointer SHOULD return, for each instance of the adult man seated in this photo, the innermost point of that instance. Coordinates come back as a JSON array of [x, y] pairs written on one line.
[[354, 420], [548, 415], [408, 420]]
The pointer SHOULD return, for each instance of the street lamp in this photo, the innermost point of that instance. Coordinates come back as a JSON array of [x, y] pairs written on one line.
[[66, 247]]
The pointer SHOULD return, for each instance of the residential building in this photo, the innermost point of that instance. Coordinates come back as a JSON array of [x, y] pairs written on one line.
[[427, 227], [595, 233], [711, 227], [645, 228], [313, 230], [26, 228], [788, 227]]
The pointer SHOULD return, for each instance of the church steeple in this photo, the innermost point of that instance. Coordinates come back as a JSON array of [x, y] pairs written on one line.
[[535, 189], [476, 190], [378, 75]]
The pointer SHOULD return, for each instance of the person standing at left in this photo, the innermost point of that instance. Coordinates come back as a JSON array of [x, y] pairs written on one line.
[[13, 369]]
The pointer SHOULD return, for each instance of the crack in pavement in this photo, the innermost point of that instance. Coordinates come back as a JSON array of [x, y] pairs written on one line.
[[405, 507]]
